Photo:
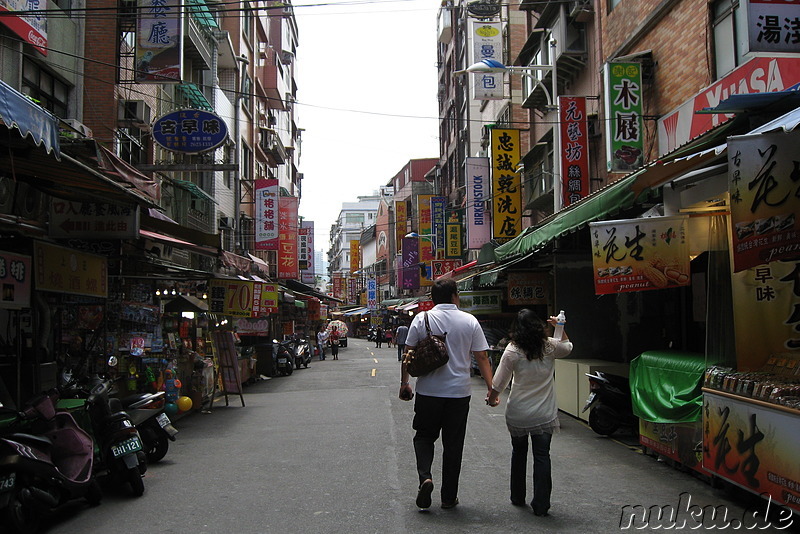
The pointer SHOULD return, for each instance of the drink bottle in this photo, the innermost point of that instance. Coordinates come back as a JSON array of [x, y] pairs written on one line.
[[558, 331]]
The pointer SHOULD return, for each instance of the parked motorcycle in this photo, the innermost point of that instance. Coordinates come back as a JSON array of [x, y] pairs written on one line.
[[146, 411], [46, 459], [610, 403], [302, 352], [284, 357]]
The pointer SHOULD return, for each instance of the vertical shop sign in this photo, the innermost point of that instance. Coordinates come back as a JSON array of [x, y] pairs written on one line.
[[307, 271], [438, 208], [574, 148], [763, 184], [453, 230], [159, 41], [355, 255], [640, 254], [487, 38], [266, 215], [15, 279], [624, 134], [32, 26], [372, 294], [506, 188], [338, 286], [400, 218], [528, 288], [427, 248], [410, 263], [287, 237], [64, 270], [479, 230], [352, 291], [773, 26]]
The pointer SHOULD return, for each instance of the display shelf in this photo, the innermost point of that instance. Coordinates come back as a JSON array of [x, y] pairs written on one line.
[[757, 402]]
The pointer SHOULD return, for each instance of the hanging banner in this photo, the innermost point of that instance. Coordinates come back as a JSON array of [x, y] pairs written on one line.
[[266, 214], [438, 207], [15, 278], [400, 218], [410, 263], [480, 302], [159, 41], [64, 270], [763, 177], [766, 312], [453, 231], [574, 144], [306, 254], [30, 26], [772, 26], [624, 128], [372, 294], [355, 255], [506, 187], [426, 246], [288, 266], [640, 254], [338, 286], [487, 43], [528, 288], [242, 298], [479, 230], [384, 238]]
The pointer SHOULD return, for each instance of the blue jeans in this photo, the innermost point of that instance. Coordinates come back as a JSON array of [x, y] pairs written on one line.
[[542, 480], [321, 350]]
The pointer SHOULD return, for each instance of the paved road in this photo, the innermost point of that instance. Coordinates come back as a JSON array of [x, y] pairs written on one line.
[[328, 450]]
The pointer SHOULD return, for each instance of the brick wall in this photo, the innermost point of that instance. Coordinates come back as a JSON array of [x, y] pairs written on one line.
[[99, 102]]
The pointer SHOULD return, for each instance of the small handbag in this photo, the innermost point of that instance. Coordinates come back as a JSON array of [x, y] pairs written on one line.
[[429, 354]]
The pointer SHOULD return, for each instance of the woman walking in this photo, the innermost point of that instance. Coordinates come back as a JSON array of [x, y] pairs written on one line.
[[531, 409]]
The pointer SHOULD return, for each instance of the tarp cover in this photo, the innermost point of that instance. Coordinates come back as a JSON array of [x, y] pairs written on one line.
[[666, 386]]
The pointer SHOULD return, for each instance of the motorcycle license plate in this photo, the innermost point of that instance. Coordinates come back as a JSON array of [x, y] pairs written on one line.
[[163, 420], [282, 360], [7, 482], [131, 444]]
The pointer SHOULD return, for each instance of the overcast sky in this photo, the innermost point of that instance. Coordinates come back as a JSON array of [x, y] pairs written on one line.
[[366, 92]]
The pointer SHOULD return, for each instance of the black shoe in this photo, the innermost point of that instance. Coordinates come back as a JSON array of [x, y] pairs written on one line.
[[424, 495], [540, 513], [518, 503], [449, 505]]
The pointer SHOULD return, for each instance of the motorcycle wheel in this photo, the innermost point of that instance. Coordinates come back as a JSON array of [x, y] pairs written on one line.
[[156, 449], [136, 481], [21, 516], [602, 421]]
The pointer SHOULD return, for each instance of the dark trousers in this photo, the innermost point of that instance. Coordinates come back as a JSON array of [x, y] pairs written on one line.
[[400, 349], [433, 415], [542, 480], [335, 349]]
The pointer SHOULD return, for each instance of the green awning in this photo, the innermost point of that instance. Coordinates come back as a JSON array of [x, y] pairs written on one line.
[[203, 16], [194, 189], [193, 97]]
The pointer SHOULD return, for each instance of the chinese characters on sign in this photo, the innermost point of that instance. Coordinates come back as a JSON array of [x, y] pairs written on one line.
[[574, 149], [480, 302], [92, 220], [355, 255], [479, 230], [190, 131], [31, 26], [15, 279], [288, 266], [400, 218], [427, 247], [506, 187], [438, 205], [64, 270], [306, 254], [440, 267], [774, 26], [372, 294], [453, 236], [624, 135], [158, 41], [487, 44], [764, 184], [266, 215], [640, 254], [528, 288], [242, 298]]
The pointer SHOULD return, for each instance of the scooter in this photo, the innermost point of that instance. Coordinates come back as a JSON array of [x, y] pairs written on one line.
[[146, 411], [284, 358], [302, 352], [610, 403], [46, 459]]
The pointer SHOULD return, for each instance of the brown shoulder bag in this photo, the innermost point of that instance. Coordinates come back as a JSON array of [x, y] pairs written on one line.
[[429, 354]]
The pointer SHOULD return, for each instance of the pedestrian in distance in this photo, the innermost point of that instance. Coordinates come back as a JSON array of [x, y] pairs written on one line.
[[333, 337], [528, 362], [322, 337], [387, 334], [378, 337], [443, 395], [400, 340]]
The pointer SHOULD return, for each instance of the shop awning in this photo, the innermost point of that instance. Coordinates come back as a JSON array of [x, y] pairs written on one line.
[[20, 112], [358, 311], [234, 261], [787, 99], [185, 303], [787, 123], [194, 189], [200, 249], [300, 287], [260, 264], [489, 277], [408, 306]]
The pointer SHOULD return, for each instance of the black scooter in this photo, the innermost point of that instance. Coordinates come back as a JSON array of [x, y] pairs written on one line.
[[284, 356], [46, 459], [610, 403], [146, 411]]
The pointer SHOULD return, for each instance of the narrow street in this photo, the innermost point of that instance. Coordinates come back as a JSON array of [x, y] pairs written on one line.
[[328, 450]]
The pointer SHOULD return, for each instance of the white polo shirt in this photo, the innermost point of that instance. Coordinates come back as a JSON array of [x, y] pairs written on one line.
[[464, 336]]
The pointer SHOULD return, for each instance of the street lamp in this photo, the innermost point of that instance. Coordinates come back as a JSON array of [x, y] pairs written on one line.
[[431, 237]]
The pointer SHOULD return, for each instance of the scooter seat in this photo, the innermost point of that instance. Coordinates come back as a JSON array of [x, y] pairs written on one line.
[[117, 417], [31, 439]]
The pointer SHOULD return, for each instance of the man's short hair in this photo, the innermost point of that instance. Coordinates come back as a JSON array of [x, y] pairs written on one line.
[[443, 291]]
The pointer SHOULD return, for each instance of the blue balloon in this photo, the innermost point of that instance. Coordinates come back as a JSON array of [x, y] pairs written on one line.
[[171, 408]]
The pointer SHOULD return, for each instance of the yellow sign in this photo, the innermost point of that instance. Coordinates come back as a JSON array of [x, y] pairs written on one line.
[[506, 186], [240, 298], [64, 270], [355, 255], [400, 217]]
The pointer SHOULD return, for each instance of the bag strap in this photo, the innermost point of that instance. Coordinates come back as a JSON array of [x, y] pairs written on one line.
[[427, 324]]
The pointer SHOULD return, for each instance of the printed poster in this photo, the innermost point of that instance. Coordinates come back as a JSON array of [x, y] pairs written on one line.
[[640, 254]]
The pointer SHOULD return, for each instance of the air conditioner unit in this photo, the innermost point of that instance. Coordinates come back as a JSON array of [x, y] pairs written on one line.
[[287, 57], [226, 223], [134, 110], [580, 10], [79, 127]]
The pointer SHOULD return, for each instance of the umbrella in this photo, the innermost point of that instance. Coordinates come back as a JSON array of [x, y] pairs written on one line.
[[340, 326]]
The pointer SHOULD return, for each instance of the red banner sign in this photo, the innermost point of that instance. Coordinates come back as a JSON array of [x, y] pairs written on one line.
[[574, 149], [288, 265]]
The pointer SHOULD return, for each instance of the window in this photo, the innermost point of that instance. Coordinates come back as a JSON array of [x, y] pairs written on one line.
[[247, 22], [613, 3], [131, 145], [354, 218], [44, 88], [246, 163], [730, 35]]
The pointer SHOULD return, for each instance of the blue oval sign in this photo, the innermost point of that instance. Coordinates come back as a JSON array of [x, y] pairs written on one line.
[[190, 131]]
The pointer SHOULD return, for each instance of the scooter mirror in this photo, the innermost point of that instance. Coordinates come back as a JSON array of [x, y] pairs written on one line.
[[112, 361]]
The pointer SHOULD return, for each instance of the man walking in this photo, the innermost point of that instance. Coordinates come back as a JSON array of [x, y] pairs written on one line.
[[400, 340], [443, 395]]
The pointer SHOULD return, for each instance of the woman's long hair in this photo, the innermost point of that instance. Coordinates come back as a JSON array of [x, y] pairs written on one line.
[[528, 334]]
